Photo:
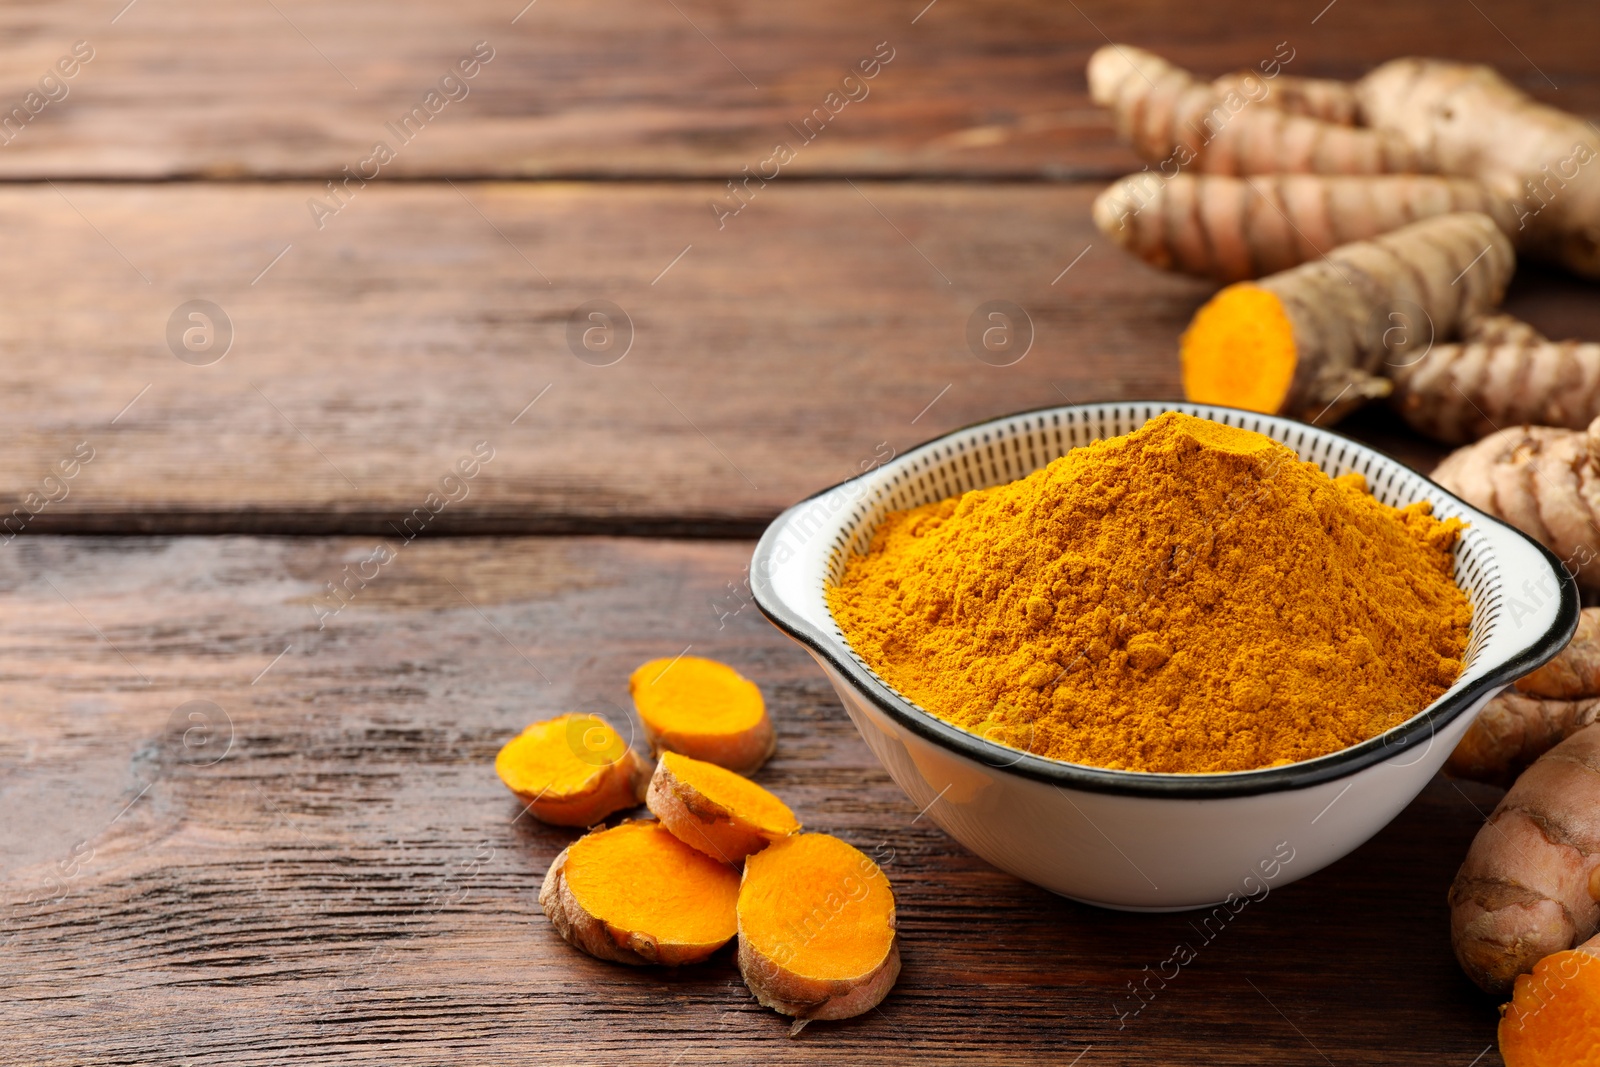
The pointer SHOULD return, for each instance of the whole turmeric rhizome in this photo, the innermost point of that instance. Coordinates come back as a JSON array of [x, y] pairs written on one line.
[[1188, 598]]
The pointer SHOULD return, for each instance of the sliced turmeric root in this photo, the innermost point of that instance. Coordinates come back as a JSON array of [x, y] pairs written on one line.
[[703, 709], [817, 936], [722, 814], [573, 770], [1554, 1016], [1318, 339], [636, 894]]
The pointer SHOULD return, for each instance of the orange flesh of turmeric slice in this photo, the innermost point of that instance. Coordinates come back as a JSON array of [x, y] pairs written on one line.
[[573, 770], [1239, 350], [703, 709], [723, 814], [817, 933], [1553, 1019], [636, 894]]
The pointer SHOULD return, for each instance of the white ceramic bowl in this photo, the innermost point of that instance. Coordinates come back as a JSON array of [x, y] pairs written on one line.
[[1126, 839]]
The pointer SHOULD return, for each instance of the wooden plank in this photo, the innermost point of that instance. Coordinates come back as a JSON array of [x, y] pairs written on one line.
[[819, 330], [693, 88], [349, 879]]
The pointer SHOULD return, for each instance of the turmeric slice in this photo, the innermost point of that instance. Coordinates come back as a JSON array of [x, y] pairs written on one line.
[[573, 770], [1554, 1014], [1315, 341], [703, 709], [636, 894], [722, 814], [817, 937]]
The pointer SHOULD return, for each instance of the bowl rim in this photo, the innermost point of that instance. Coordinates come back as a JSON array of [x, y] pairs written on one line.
[[1307, 773]]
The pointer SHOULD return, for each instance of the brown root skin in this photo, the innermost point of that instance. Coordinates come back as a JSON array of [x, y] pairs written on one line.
[[1468, 120], [1508, 374], [1231, 229], [1172, 119], [807, 999], [1546, 707], [1326, 99], [1525, 890], [1541, 480], [1340, 313], [1500, 329], [700, 822], [1575, 672], [1512, 731]]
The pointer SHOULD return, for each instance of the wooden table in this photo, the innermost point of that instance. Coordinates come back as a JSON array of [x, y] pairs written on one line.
[[346, 879]]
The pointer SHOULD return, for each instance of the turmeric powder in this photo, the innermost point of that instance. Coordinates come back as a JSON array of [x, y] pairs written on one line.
[[1187, 598]]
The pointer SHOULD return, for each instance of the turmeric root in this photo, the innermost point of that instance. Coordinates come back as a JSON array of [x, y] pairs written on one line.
[[1542, 480], [1175, 120], [1545, 707], [1575, 672], [1313, 341], [1231, 229], [1468, 120], [1318, 98], [1515, 729], [703, 709], [636, 894], [722, 814], [1505, 376], [573, 770], [1406, 116], [1530, 885], [1554, 1014], [817, 937]]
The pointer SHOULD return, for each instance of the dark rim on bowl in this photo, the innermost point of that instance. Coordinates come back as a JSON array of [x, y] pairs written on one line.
[[1418, 729]]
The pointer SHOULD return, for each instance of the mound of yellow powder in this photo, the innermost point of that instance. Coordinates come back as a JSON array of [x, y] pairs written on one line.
[[1189, 598]]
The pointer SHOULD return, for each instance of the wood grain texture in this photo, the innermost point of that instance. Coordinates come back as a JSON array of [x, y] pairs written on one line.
[[820, 328], [697, 88], [350, 881]]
